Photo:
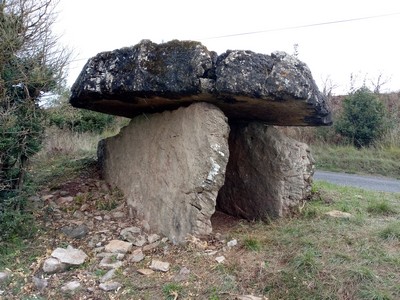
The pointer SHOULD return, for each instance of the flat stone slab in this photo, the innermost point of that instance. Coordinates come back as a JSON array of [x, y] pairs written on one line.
[[70, 255], [147, 78]]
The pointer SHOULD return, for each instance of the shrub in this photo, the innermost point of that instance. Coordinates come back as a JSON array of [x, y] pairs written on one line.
[[362, 119]]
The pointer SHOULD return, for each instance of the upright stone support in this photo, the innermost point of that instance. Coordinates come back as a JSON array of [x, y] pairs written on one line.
[[170, 166], [267, 174]]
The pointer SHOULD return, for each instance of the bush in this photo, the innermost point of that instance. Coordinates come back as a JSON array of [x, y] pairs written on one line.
[[363, 118], [64, 116]]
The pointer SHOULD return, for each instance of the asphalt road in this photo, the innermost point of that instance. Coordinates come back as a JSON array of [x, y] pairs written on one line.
[[383, 184]]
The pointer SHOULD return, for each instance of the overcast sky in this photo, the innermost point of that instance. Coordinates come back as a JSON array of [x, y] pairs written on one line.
[[365, 48]]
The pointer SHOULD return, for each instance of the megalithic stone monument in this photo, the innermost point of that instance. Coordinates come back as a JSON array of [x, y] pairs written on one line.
[[202, 133]]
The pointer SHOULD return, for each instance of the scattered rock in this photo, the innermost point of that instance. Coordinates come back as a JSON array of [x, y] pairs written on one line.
[[136, 256], [40, 283], [110, 286], [183, 274], [78, 215], [98, 218], [63, 200], [118, 246], [110, 262], [71, 286], [47, 197], [106, 277], [146, 272], [338, 214], [220, 259], [53, 265], [152, 238], [131, 234], [157, 265], [250, 297], [118, 215], [70, 255], [151, 246], [75, 232], [231, 243], [4, 276]]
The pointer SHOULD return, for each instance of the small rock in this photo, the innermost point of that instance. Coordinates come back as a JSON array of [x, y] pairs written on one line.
[[139, 241], [84, 207], [118, 215], [338, 214], [130, 234], [157, 265], [146, 272], [70, 255], [220, 259], [78, 214], [71, 286], [53, 265], [232, 243], [152, 238], [63, 200], [118, 246], [107, 276], [107, 217], [136, 256], [151, 246], [47, 197], [117, 256], [98, 218], [109, 262], [211, 252], [4, 276], [110, 286], [40, 283], [63, 193], [250, 297], [183, 274], [76, 232]]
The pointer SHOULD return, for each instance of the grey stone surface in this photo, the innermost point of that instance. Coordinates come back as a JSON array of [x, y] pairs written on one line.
[[75, 232], [70, 256], [268, 173], [110, 286], [157, 265], [71, 286], [108, 276], [276, 89], [170, 167], [118, 246], [4, 276], [53, 265]]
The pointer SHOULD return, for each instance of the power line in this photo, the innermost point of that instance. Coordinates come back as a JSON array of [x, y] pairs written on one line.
[[300, 26], [286, 28]]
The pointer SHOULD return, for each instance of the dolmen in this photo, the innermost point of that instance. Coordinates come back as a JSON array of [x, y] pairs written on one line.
[[204, 132]]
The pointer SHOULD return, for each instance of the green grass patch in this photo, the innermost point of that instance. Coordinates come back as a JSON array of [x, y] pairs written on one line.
[[252, 244], [172, 291], [380, 161], [391, 231]]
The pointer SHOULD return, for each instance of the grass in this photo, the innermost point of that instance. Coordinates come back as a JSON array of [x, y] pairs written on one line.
[[305, 256], [379, 160]]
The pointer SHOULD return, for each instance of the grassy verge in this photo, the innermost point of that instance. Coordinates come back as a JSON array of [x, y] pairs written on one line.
[[381, 161]]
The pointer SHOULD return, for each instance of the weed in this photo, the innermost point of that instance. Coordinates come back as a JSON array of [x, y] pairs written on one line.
[[252, 244], [307, 261], [381, 207], [171, 291], [391, 231], [362, 274]]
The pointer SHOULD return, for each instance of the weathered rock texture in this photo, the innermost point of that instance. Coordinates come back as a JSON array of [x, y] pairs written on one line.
[[170, 166], [275, 89], [267, 174]]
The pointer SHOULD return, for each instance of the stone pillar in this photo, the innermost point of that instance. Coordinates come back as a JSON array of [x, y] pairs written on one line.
[[170, 167], [267, 173]]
